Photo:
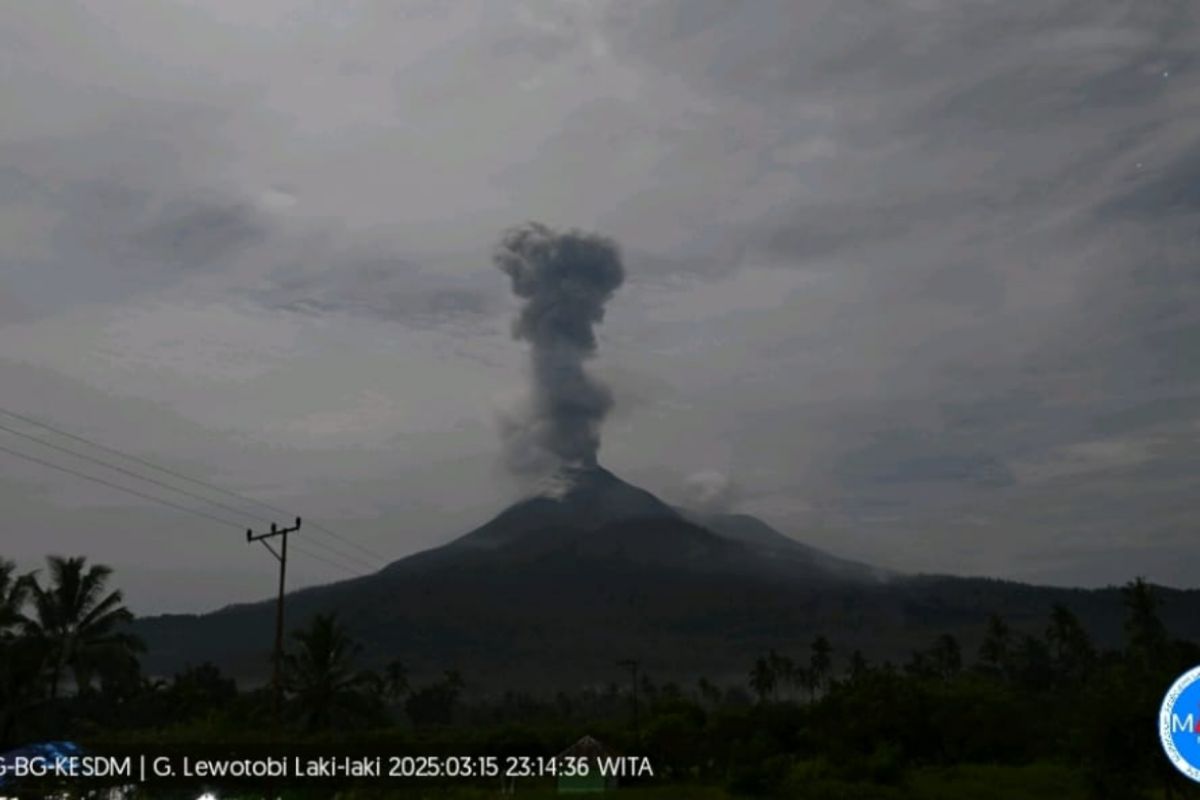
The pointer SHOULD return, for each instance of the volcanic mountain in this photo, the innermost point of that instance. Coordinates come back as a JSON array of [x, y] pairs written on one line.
[[590, 569], [589, 514]]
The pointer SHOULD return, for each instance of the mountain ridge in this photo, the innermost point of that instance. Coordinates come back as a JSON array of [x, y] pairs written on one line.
[[590, 568]]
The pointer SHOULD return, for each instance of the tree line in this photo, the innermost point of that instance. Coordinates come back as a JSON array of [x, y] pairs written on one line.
[[69, 665], [1048, 706]]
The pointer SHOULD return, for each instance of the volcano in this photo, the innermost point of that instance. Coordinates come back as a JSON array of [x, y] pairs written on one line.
[[586, 498], [573, 498], [588, 514], [589, 569]]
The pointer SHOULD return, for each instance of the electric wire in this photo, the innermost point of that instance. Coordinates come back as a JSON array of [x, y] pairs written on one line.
[[349, 557], [161, 501], [180, 476]]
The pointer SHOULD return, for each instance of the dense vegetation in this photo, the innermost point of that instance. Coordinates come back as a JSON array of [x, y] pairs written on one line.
[[1031, 715]]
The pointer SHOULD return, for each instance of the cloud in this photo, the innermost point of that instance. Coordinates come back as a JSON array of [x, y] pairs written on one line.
[[711, 491], [905, 457], [997, 255], [195, 233], [389, 288], [1082, 458], [920, 276]]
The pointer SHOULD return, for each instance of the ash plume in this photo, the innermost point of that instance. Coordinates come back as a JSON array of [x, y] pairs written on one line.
[[564, 280]]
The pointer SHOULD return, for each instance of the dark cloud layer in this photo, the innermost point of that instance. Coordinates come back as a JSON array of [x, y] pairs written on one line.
[[333, 281], [1003, 236], [919, 277], [199, 233]]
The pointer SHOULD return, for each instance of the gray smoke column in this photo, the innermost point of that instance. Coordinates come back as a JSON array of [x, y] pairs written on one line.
[[564, 280]]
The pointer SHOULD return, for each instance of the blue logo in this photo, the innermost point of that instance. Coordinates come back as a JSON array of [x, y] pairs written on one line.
[[1179, 724]]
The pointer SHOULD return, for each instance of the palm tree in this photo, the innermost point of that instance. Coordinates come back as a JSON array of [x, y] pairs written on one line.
[[14, 592], [320, 674], [395, 681], [807, 679], [20, 661], [945, 657], [77, 623], [1144, 630], [762, 679], [782, 668], [858, 665], [1070, 647], [995, 654], [821, 660], [710, 693]]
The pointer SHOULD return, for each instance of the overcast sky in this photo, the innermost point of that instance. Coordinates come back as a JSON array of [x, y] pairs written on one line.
[[914, 281]]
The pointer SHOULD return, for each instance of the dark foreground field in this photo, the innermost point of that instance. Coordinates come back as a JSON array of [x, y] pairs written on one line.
[[1019, 714]]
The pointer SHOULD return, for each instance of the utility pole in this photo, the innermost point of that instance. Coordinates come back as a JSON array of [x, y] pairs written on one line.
[[281, 557], [632, 665]]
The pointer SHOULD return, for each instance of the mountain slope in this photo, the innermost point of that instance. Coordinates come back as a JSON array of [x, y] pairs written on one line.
[[757, 534], [572, 497], [555, 588]]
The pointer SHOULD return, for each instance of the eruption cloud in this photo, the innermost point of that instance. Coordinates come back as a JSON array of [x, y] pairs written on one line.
[[564, 281]]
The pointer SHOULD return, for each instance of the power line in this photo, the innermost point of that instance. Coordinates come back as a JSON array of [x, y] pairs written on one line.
[[240, 512], [119, 487], [181, 476], [350, 542], [154, 499], [351, 558], [131, 473], [350, 570]]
